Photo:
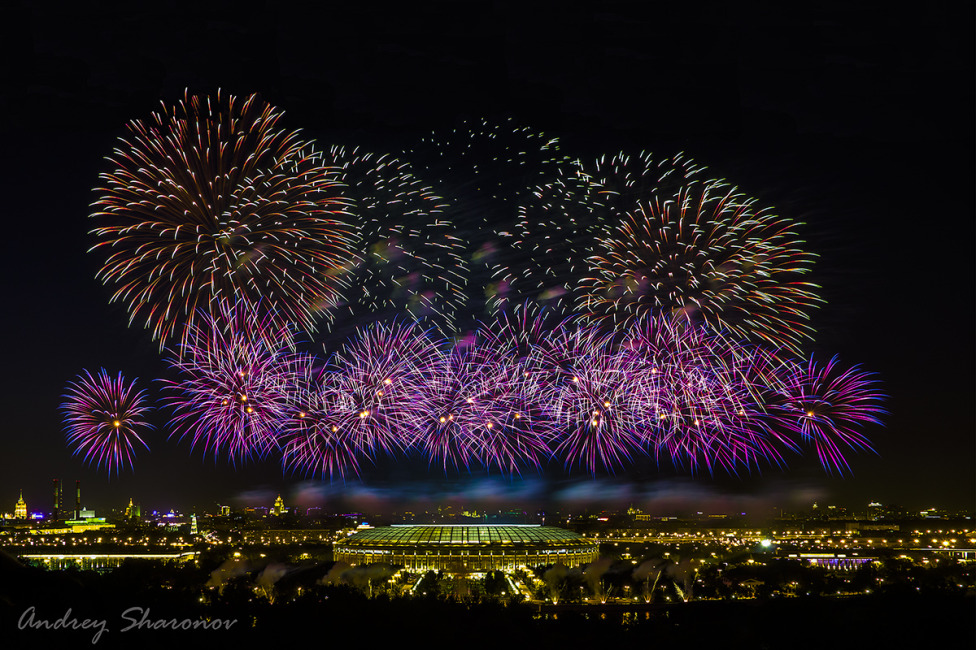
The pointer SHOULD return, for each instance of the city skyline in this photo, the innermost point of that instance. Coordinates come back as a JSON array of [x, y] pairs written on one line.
[[862, 158]]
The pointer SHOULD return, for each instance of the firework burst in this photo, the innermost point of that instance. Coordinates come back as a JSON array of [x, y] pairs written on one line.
[[825, 405], [212, 201], [237, 371], [557, 224], [620, 182], [459, 406], [710, 256], [560, 220], [103, 419], [376, 373], [699, 395], [318, 436], [594, 405], [484, 169]]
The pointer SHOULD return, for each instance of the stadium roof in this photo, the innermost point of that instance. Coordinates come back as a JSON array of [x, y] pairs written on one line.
[[466, 535]]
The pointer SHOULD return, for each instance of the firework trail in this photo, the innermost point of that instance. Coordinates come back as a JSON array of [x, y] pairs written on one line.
[[212, 201], [103, 419], [237, 369], [709, 255], [413, 260]]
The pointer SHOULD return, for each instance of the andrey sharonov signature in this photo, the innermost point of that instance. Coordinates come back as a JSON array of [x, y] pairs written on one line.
[[136, 618]]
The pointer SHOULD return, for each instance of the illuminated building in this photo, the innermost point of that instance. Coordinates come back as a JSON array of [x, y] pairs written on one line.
[[87, 524], [132, 511], [466, 548], [99, 561], [278, 508], [20, 509]]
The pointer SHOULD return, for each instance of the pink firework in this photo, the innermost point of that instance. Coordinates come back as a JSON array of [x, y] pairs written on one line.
[[596, 407], [103, 419], [825, 406], [376, 371], [237, 370], [699, 396], [318, 437], [458, 405]]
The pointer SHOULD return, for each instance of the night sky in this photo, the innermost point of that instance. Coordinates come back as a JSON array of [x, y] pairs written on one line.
[[856, 120]]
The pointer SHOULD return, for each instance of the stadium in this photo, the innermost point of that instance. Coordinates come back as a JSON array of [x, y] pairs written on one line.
[[466, 548]]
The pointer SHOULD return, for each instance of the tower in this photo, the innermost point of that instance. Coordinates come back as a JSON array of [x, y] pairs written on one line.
[[77, 500], [56, 512], [20, 509]]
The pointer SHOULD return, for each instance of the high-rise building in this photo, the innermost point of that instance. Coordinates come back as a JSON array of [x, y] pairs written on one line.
[[20, 509], [132, 511], [56, 511], [279, 507]]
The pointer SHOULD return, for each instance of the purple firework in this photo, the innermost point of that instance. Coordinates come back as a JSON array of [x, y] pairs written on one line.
[[457, 405], [237, 369], [369, 393], [699, 395], [595, 407], [318, 437], [824, 405], [511, 347], [103, 418]]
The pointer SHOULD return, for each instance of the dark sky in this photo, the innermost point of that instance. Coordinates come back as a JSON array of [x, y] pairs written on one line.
[[857, 120]]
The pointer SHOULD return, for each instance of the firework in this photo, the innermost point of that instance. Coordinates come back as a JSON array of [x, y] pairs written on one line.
[[212, 201], [103, 418], [620, 182], [412, 260], [560, 220], [557, 224], [825, 405], [485, 169], [596, 408], [699, 396], [486, 163], [707, 255], [465, 408], [447, 411], [237, 370], [376, 372], [318, 437]]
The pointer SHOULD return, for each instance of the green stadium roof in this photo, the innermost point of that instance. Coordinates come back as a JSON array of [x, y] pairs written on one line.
[[479, 535]]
